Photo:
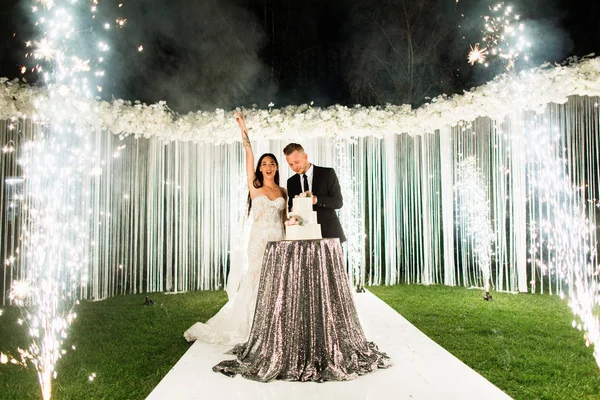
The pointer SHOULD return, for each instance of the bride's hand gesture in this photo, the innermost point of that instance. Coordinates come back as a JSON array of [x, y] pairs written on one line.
[[241, 121]]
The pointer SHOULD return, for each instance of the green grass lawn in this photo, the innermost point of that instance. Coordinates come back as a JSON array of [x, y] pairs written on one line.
[[524, 344], [129, 346]]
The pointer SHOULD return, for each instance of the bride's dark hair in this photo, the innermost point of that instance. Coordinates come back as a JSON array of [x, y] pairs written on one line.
[[259, 179]]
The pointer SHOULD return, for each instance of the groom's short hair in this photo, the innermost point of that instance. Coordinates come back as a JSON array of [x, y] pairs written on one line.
[[292, 147]]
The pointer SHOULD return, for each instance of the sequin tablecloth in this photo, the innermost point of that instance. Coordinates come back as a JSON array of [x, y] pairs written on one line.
[[305, 326]]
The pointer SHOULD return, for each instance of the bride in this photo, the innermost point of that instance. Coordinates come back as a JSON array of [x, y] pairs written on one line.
[[267, 209]]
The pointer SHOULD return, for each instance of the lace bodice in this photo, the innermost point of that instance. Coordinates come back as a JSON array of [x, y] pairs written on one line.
[[266, 211], [267, 226]]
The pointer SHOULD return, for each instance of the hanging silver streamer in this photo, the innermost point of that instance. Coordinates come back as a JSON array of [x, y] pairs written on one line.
[[164, 214]]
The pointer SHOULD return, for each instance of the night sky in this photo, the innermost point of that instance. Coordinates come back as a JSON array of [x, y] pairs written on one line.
[[209, 54]]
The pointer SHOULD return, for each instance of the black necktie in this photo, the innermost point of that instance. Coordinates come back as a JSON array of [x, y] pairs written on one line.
[[305, 183]]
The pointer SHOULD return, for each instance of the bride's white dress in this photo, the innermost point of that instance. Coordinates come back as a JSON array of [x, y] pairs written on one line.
[[232, 324]]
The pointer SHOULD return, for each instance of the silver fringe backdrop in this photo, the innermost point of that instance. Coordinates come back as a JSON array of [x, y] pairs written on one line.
[[163, 216]]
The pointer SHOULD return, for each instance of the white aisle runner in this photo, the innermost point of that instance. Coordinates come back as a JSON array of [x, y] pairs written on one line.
[[422, 370]]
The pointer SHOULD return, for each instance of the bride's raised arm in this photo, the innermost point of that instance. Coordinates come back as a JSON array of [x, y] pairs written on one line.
[[239, 118]]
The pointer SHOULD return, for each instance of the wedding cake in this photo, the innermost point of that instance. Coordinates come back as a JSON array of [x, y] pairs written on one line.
[[302, 224]]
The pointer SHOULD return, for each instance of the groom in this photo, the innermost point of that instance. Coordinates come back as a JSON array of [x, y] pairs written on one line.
[[324, 186]]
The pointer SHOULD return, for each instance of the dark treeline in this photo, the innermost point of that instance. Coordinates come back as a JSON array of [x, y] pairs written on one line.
[[217, 53]]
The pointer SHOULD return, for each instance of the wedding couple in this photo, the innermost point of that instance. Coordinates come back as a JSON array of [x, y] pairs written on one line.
[[267, 209]]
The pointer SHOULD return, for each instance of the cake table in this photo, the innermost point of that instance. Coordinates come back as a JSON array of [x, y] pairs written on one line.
[[305, 327]]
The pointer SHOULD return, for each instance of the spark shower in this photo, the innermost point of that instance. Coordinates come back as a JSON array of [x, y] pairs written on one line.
[[163, 213], [124, 199]]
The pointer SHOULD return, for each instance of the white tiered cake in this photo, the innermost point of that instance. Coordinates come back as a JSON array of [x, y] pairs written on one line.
[[309, 229]]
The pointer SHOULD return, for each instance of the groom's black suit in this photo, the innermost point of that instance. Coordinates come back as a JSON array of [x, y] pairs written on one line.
[[326, 187]]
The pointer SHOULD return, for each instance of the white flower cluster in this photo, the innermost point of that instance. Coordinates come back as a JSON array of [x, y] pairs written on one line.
[[294, 220], [508, 93], [304, 194], [17, 100]]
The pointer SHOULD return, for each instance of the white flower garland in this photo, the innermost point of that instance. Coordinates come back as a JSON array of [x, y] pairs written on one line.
[[508, 93]]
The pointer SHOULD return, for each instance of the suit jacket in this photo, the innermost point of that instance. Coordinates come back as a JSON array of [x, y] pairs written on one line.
[[326, 187]]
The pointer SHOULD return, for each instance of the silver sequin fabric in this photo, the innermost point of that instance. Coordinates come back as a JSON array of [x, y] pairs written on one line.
[[305, 326]]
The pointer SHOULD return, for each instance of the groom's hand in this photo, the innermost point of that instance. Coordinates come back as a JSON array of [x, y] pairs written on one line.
[[314, 199]]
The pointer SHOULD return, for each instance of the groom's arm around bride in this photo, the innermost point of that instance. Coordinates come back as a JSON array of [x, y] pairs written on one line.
[[322, 183]]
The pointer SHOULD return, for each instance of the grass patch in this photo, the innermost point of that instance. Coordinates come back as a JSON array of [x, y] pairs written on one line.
[[524, 344], [129, 346]]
